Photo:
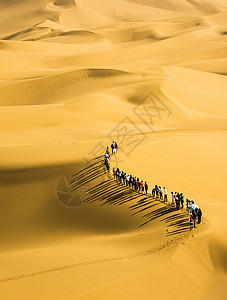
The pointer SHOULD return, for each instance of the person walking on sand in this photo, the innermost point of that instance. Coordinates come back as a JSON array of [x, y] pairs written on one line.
[[117, 174], [130, 181], [165, 195], [112, 147], [122, 177], [199, 215], [116, 147], [161, 193], [138, 184], [125, 179], [133, 183], [146, 187], [119, 177], [156, 191], [182, 200], [192, 206], [173, 199], [191, 221], [153, 192], [106, 161], [108, 150], [177, 200], [194, 215], [142, 185], [106, 155]]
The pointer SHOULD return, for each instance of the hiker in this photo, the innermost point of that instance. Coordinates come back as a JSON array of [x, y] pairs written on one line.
[[165, 195], [178, 195], [194, 215], [177, 200], [123, 177], [112, 147], [199, 214], [196, 211], [119, 176], [106, 155], [116, 147], [106, 161], [182, 200], [135, 183], [143, 186], [191, 221], [146, 187], [173, 199], [161, 193], [156, 190], [130, 181], [153, 192], [138, 184], [193, 206], [108, 150]]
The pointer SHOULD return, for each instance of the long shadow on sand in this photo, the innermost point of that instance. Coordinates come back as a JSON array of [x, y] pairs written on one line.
[[87, 175], [111, 192]]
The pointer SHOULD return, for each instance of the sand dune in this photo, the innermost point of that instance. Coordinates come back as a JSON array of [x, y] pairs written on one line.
[[76, 75]]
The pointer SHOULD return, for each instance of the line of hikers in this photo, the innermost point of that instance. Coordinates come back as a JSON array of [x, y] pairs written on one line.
[[130, 181], [195, 213], [160, 193], [114, 147], [138, 185], [193, 209]]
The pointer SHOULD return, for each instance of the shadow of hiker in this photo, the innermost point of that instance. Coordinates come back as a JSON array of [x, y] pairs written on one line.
[[88, 174], [110, 192], [175, 219]]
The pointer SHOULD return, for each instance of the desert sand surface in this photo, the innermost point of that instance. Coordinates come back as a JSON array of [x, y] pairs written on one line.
[[76, 75]]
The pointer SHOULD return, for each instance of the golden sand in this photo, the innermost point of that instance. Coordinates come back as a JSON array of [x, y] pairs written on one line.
[[76, 75]]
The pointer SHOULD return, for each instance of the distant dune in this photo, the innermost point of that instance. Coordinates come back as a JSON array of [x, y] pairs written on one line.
[[76, 75]]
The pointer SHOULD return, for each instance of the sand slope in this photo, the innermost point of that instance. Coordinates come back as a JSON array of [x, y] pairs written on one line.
[[76, 75]]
